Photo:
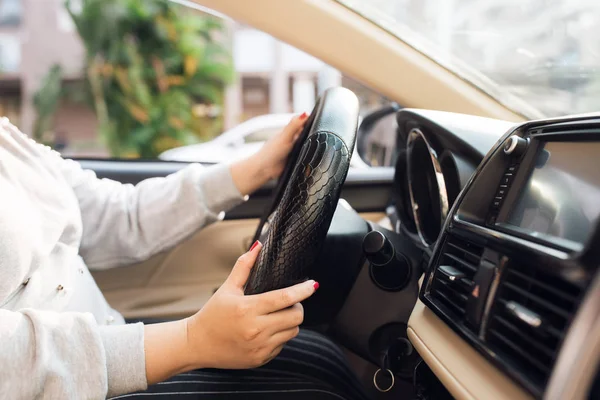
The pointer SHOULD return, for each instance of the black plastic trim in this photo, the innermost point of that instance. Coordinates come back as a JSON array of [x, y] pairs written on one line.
[[577, 268]]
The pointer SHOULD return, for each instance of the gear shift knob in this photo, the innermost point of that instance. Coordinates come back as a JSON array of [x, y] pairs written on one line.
[[389, 269], [377, 248]]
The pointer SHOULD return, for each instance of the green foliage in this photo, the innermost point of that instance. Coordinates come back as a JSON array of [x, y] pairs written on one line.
[[147, 64], [46, 101]]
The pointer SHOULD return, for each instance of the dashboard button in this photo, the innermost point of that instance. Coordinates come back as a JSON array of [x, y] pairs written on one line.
[[501, 193], [512, 168], [506, 179], [496, 203]]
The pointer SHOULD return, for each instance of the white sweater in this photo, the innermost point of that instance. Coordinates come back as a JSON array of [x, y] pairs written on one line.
[[59, 339]]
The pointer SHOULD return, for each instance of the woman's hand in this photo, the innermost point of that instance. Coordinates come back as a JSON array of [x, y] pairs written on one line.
[[231, 331], [253, 172], [237, 331], [273, 155]]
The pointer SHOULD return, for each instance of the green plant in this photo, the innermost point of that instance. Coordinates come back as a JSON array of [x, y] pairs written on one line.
[[147, 63], [46, 101]]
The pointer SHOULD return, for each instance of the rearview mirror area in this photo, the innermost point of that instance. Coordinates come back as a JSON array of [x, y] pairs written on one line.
[[376, 139]]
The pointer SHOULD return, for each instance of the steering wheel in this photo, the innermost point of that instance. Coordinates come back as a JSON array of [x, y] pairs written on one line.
[[295, 225]]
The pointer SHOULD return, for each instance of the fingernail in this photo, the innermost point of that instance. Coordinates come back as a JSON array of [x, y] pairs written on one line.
[[303, 115], [316, 285], [254, 245]]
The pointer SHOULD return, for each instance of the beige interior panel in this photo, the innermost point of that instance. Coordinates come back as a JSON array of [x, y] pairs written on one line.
[[177, 283], [464, 372], [361, 49]]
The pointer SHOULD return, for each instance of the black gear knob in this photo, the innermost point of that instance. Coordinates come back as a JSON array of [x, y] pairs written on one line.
[[389, 269], [377, 248]]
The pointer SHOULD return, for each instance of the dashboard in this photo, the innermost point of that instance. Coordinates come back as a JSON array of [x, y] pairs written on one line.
[[436, 154], [509, 305]]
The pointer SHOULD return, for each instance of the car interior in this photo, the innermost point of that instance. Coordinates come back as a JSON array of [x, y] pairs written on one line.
[[466, 267]]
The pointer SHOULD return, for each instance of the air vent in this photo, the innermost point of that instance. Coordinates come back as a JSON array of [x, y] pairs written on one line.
[[585, 126], [529, 319], [453, 279]]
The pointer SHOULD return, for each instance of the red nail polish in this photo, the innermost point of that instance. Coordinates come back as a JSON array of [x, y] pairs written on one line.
[[254, 245], [303, 115], [316, 285]]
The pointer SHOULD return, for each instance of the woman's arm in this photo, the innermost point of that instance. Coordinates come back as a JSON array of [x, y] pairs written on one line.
[[46, 354], [123, 224]]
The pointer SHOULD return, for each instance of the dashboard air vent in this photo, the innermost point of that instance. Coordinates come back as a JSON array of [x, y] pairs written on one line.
[[453, 278], [529, 319], [589, 127]]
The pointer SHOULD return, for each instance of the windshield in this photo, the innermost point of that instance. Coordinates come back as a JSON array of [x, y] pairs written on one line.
[[538, 57]]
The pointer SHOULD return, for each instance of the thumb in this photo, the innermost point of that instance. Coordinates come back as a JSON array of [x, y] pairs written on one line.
[[241, 270]]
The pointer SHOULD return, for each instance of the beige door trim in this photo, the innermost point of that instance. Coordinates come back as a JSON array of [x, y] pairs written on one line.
[[361, 49]]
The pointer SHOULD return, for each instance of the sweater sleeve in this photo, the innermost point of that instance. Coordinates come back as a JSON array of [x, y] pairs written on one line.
[[123, 224], [66, 355]]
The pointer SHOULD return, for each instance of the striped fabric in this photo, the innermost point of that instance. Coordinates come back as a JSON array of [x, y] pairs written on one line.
[[309, 367]]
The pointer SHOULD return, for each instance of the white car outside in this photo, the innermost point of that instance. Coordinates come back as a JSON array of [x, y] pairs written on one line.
[[241, 141]]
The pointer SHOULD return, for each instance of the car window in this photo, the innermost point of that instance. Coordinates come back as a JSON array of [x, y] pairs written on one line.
[[538, 57], [133, 79]]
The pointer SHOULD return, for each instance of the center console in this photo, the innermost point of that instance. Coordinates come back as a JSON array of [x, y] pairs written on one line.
[[515, 270]]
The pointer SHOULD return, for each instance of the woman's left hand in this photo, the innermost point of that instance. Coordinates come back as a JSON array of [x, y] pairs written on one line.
[[274, 153], [268, 163]]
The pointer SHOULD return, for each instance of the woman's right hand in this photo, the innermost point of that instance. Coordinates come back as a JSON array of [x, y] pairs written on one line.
[[235, 331]]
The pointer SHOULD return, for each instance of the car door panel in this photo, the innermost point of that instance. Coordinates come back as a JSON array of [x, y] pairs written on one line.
[[176, 283]]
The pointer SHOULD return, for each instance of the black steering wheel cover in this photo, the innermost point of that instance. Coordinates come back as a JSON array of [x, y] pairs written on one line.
[[301, 214], [284, 179]]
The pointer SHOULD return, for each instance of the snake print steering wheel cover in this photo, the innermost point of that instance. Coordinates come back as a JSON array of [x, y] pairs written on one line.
[[297, 227]]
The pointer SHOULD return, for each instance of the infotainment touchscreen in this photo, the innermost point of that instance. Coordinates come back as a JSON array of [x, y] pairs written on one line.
[[561, 199]]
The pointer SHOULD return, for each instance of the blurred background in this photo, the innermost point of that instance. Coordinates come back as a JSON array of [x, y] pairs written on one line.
[[170, 80], [133, 78]]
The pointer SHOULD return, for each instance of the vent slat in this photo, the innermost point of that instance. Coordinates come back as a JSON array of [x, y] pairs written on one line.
[[464, 257], [470, 252], [555, 332], [455, 292], [525, 355], [456, 308], [550, 289], [530, 340], [549, 298], [462, 262], [548, 306]]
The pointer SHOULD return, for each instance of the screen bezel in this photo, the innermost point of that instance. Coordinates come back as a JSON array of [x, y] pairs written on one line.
[[520, 180]]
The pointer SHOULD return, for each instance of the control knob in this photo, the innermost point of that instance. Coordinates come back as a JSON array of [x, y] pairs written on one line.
[[515, 146]]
